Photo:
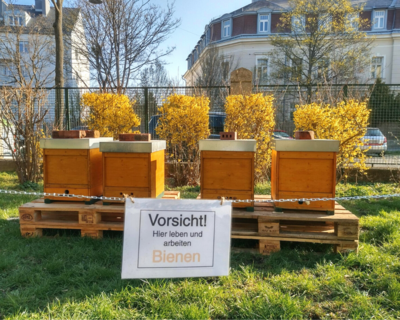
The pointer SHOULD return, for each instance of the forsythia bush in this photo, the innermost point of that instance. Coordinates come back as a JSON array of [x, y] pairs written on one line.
[[346, 122], [109, 113], [253, 117], [184, 121]]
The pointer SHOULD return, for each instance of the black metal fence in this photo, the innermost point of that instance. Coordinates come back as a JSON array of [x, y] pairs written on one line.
[[384, 102]]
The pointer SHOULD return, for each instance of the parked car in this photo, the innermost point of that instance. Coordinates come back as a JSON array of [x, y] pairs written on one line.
[[375, 141], [216, 124], [280, 134]]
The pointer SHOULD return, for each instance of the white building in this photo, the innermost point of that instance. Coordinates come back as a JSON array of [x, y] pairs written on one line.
[[243, 36], [76, 66]]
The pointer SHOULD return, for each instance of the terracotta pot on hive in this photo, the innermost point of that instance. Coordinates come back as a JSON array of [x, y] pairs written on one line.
[[227, 169], [72, 164], [133, 168], [304, 168]]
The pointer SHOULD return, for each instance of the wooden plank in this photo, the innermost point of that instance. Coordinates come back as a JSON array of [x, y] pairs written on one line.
[[157, 173], [227, 155], [305, 175], [268, 228], [269, 246], [65, 152], [305, 155], [67, 170], [294, 239], [348, 231], [346, 247], [227, 174], [126, 172], [314, 205], [299, 216]]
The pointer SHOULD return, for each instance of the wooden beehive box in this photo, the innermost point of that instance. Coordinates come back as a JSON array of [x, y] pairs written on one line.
[[227, 170], [134, 168], [72, 166], [304, 169]]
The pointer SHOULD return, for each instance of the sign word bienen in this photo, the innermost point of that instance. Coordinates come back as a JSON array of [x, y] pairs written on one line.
[[180, 238]]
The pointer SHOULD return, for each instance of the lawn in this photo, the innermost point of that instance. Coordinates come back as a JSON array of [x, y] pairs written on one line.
[[64, 276]]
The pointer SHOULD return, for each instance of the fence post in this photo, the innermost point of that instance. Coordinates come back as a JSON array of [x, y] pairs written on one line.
[[345, 91], [146, 109], [68, 124]]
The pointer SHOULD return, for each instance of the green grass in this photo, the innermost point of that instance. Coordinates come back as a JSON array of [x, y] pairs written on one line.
[[63, 276]]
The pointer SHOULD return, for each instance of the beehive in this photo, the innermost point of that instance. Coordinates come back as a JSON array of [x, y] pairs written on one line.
[[134, 168], [72, 166], [304, 169], [227, 170]]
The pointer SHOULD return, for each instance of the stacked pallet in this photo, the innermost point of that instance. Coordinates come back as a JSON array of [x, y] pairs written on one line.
[[270, 227], [91, 220]]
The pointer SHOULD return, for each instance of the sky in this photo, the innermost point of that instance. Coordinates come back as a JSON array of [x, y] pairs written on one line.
[[194, 16]]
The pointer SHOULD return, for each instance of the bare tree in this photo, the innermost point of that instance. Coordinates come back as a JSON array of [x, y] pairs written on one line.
[[121, 37], [28, 65], [154, 76], [214, 68], [322, 42]]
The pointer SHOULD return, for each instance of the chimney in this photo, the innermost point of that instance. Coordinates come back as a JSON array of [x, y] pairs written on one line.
[[42, 6]]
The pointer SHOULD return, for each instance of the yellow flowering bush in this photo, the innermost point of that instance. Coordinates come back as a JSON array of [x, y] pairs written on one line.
[[253, 117], [346, 122], [109, 113], [184, 121]]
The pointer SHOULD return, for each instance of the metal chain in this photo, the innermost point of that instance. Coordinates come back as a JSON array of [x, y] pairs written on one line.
[[44, 194]]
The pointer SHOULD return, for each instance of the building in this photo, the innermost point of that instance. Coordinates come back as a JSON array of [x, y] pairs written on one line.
[[22, 19], [243, 36]]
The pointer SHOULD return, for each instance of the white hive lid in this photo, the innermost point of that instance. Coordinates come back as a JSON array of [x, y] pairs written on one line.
[[84, 143], [248, 145], [133, 146]]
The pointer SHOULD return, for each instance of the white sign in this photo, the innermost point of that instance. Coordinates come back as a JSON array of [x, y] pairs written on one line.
[[176, 238]]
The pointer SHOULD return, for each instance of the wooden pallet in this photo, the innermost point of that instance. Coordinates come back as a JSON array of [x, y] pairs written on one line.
[[91, 220], [264, 225], [270, 227]]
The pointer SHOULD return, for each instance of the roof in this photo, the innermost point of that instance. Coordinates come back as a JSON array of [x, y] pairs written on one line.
[[283, 5], [70, 16]]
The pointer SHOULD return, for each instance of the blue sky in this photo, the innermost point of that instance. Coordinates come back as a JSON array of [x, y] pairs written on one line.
[[194, 16]]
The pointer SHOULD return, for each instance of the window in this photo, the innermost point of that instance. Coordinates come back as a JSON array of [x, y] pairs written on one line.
[[15, 21], [23, 46], [298, 24], [225, 69], [262, 71], [226, 32], [325, 22], [353, 21], [379, 19], [3, 69], [377, 67], [264, 23], [208, 36], [24, 71], [322, 68], [294, 68]]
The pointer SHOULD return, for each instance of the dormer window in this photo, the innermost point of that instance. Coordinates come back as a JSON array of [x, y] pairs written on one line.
[[264, 24], [226, 28], [379, 19]]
